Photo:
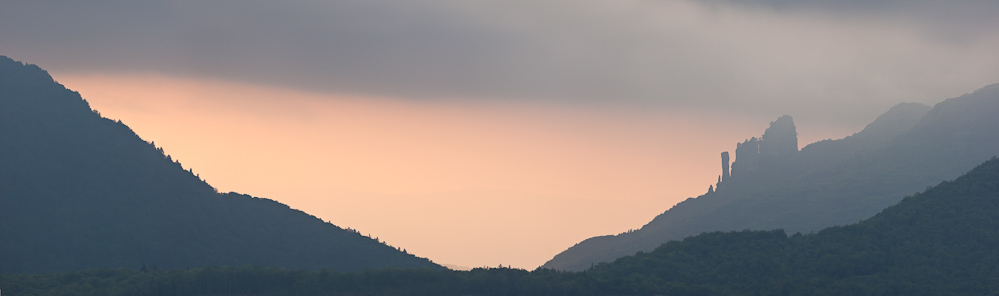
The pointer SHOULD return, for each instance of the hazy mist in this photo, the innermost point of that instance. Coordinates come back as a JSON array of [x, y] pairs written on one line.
[[612, 107], [844, 62]]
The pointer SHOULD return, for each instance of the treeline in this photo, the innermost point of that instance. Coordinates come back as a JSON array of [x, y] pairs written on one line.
[[943, 241], [252, 280], [940, 242], [79, 191]]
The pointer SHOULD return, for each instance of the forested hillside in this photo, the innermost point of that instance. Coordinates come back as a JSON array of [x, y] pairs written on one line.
[[81, 191], [773, 185], [939, 242]]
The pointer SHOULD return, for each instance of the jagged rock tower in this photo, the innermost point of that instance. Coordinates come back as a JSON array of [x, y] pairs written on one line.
[[725, 175], [747, 156], [780, 140]]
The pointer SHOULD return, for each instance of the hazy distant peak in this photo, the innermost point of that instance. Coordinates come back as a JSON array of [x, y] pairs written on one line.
[[979, 104], [906, 108], [991, 88], [897, 120], [830, 182]]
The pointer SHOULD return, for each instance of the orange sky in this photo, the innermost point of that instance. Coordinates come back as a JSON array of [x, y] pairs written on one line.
[[565, 119], [469, 184]]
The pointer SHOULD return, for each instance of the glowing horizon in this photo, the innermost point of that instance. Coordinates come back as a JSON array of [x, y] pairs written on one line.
[[466, 184]]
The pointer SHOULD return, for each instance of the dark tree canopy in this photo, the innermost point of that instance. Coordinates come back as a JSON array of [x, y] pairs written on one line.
[[939, 242]]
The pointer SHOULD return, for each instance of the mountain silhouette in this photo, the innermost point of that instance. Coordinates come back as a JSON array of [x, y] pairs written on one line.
[[80, 191], [938, 242], [773, 185]]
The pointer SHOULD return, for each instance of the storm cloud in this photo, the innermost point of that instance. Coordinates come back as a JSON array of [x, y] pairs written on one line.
[[828, 60]]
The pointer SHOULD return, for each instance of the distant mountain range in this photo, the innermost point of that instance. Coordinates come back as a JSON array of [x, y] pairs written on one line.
[[773, 185], [79, 191], [943, 241]]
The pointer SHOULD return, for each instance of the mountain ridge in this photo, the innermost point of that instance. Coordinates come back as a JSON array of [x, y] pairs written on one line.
[[940, 241], [830, 182], [78, 191], [936, 242]]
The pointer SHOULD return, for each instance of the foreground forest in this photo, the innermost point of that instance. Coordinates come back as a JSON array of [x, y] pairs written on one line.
[[938, 242]]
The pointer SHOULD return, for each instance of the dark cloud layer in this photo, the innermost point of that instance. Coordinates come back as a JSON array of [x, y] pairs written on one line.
[[765, 57], [955, 21]]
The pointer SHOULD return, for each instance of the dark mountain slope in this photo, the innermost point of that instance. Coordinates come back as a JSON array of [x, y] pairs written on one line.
[[81, 191], [939, 242], [943, 241], [831, 182]]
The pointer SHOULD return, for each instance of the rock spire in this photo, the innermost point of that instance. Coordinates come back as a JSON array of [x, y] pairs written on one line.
[[780, 140]]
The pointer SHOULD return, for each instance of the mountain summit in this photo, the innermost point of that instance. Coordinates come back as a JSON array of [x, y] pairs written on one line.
[[938, 242], [779, 141], [80, 191], [773, 185]]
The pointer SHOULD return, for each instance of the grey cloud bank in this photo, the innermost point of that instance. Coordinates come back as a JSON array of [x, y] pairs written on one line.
[[843, 63]]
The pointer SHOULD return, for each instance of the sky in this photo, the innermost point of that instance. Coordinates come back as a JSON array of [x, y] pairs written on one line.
[[480, 133]]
